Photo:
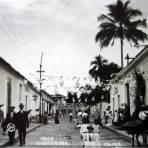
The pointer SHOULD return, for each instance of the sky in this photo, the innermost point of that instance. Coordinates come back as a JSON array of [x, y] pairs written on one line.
[[64, 30]]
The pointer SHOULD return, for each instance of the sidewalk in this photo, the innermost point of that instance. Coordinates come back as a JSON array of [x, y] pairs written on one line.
[[122, 132], [4, 138]]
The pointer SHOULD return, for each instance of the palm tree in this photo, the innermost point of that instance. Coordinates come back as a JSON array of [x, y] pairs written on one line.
[[97, 64], [103, 70], [120, 23]]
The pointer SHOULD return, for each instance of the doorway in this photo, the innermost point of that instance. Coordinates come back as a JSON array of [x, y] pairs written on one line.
[[128, 99], [8, 93]]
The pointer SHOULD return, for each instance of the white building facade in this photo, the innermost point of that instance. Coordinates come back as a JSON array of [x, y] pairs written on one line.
[[124, 87], [15, 89]]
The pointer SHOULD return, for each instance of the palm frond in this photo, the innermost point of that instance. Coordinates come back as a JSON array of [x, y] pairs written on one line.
[[132, 13], [126, 5], [105, 37], [138, 23], [137, 34], [108, 26], [104, 17], [93, 63]]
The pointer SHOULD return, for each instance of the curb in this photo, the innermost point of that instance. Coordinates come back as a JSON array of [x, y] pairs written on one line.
[[17, 137], [127, 136], [118, 132]]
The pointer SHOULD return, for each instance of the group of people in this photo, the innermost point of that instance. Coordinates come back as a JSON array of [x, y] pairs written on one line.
[[90, 131], [119, 117], [80, 116], [15, 121]]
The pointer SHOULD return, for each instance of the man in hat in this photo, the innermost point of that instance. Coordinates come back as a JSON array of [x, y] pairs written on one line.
[[1, 117], [22, 123], [11, 124]]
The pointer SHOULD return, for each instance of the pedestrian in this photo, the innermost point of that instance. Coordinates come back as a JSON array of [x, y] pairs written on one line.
[[57, 117], [100, 121], [79, 116], [22, 123], [106, 114], [84, 130], [115, 121], [11, 124], [79, 113], [85, 116], [96, 130], [2, 119], [96, 126], [110, 119], [70, 116]]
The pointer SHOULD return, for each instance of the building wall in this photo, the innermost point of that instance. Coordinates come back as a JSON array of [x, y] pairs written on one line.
[[19, 92], [31, 104], [129, 78], [117, 95], [15, 83]]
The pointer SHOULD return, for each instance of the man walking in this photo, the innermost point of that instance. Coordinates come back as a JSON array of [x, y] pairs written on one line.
[[11, 124], [22, 123]]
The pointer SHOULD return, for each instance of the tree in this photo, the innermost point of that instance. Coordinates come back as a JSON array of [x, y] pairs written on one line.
[[120, 23], [109, 71], [71, 97], [103, 70], [97, 64]]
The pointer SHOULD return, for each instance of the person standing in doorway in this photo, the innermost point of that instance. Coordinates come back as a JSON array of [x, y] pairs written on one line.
[[11, 124], [22, 123]]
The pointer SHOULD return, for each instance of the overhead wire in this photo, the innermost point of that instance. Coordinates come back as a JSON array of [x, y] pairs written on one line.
[[13, 37]]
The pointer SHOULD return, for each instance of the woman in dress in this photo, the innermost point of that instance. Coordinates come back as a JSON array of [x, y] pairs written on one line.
[[57, 117]]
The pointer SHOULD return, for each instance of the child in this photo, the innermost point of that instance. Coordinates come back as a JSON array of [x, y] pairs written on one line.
[[96, 130], [84, 130]]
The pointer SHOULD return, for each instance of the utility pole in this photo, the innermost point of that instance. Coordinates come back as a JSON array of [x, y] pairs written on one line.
[[40, 81]]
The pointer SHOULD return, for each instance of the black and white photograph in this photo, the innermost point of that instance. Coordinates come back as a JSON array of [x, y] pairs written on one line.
[[73, 73]]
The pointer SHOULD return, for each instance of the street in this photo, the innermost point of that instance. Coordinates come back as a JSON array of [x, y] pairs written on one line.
[[65, 135]]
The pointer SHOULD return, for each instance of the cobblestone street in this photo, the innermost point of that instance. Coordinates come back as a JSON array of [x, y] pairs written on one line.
[[65, 135]]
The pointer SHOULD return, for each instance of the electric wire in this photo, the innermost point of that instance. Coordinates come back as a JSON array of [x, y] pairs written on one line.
[[13, 38]]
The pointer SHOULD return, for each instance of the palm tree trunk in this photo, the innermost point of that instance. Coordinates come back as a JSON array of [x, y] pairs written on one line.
[[121, 40]]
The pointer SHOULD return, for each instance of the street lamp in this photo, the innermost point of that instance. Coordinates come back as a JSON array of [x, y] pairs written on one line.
[[128, 58]]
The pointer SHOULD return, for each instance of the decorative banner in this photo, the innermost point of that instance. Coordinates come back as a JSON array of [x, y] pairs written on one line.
[[11, 127]]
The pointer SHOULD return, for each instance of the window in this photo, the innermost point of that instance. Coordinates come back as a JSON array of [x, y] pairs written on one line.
[[20, 93]]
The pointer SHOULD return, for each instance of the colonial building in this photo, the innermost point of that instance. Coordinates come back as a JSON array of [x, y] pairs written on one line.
[[12, 86], [47, 102], [125, 88], [32, 100], [15, 89]]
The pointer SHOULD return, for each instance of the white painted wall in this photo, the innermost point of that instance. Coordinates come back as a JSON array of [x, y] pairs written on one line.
[[15, 82], [15, 88]]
